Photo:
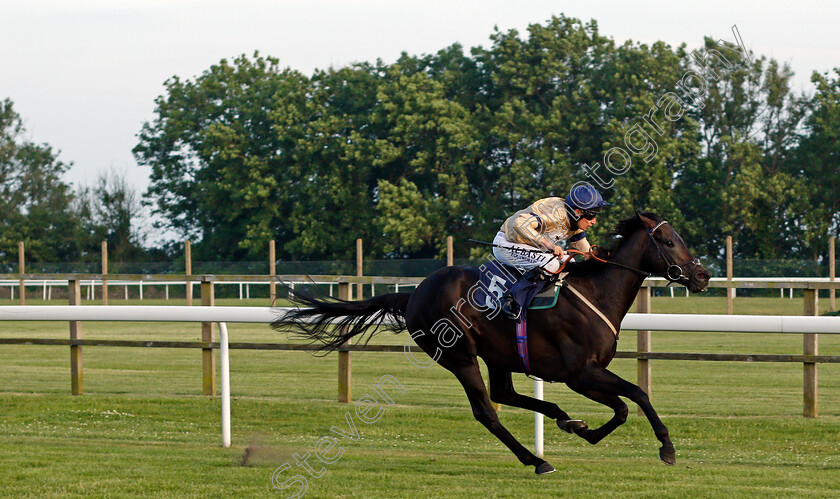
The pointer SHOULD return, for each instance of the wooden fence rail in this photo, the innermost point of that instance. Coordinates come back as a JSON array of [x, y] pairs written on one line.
[[809, 358]]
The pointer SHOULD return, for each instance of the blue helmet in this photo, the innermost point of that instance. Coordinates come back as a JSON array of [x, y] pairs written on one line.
[[583, 196]]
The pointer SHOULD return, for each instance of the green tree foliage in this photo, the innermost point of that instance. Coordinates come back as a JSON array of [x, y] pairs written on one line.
[[35, 204], [451, 143], [332, 178], [110, 211], [817, 166], [740, 184], [220, 171], [423, 157]]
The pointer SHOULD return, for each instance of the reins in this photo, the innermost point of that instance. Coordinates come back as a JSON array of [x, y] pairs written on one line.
[[669, 274], [591, 254]]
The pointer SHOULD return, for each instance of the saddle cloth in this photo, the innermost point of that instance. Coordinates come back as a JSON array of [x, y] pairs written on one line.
[[497, 278]]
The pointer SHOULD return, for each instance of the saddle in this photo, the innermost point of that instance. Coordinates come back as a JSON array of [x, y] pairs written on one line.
[[497, 279], [542, 293]]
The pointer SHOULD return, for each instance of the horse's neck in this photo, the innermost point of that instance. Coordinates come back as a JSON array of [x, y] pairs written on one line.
[[617, 286]]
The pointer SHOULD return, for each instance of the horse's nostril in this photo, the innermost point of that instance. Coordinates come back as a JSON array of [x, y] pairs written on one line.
[[703, 276]]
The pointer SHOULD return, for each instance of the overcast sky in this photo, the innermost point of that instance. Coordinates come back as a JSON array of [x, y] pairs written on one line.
[[84, 74]]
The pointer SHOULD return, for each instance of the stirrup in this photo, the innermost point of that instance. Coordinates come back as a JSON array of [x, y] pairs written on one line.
[[509, 307]]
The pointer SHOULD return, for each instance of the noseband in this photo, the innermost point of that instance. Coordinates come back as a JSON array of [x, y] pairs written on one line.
[[674, 272]]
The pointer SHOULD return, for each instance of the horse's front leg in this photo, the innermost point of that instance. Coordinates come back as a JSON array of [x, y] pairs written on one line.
[[594, 436], [502, 392], [597, 379]]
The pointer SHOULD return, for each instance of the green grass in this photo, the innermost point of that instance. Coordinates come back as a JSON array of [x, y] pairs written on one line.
[[142, 428]]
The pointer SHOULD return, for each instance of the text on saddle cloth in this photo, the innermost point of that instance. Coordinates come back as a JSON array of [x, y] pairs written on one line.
[[497, 279]]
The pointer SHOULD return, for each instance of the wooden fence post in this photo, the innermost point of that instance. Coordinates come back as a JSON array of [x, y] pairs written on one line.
[[643, 344], [344, 362], [810, 347], [74, 290], [730, 292], [22, 270], [272, 272], [104, 272], [831, 274], [450, 259], [188, 271], [208, 299], [359, 270]]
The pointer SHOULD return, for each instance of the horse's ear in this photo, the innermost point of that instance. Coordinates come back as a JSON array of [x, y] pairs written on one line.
[[647, 222]]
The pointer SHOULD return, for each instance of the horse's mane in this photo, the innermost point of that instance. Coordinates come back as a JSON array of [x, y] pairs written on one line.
[[622, 230]]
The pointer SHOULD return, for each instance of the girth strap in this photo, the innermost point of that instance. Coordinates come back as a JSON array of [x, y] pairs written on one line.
[[590, 305], [522, 343]]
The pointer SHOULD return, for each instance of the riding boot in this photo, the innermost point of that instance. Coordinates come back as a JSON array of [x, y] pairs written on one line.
[[509, 306]]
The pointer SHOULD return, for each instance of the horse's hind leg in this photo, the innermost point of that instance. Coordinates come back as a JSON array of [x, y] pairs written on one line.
[[502, 392], [613, 402], [470, 378], [597, 379]]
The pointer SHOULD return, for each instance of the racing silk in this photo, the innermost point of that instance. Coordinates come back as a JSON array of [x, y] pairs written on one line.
[[547, 217]]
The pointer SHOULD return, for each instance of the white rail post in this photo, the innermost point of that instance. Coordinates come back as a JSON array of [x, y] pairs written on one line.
[[224, 354], [539, 449]]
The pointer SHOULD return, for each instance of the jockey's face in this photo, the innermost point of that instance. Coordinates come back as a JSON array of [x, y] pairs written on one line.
[[584, 223]]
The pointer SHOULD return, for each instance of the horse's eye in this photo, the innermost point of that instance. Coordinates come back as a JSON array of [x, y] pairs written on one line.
[[669, 243]]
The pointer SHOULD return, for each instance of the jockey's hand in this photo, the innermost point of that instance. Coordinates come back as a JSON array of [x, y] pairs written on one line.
[[558, 251]]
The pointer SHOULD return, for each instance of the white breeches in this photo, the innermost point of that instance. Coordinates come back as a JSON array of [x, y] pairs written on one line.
[[523, 256]]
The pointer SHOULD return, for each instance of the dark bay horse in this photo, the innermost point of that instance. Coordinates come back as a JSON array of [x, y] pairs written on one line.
[[569, 343]]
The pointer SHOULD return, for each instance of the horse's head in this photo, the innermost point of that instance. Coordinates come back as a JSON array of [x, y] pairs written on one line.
[[668, 255]]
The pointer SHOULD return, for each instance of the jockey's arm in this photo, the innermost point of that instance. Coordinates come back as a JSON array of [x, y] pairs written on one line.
[[581, 245], [555, 248], [529, 227]]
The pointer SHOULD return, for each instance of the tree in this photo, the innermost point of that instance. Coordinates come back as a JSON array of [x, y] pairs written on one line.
[[421, 163], [332, 173], [748, 119], [219, 169], [110, 211], [817, 166], [35, 204], [450, 143]]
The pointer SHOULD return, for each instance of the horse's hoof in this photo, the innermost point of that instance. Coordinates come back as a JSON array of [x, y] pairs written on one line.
[[668, 455], [572, 425], [544, 469]]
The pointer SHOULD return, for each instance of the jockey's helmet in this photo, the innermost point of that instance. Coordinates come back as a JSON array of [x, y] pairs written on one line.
[[584, 197]]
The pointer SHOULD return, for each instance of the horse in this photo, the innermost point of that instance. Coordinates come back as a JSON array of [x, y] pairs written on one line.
[[570, 343]]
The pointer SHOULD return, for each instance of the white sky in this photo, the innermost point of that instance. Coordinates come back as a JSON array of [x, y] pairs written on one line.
[[84, 73]]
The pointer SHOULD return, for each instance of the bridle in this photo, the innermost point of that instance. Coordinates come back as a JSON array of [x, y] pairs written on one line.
[[674, 273]]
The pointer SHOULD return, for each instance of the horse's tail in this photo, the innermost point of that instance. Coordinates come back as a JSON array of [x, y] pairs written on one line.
[[347, 318]]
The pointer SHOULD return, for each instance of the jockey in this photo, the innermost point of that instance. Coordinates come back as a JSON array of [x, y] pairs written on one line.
[[543, 226]]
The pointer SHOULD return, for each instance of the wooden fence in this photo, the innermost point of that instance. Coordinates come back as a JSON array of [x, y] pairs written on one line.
[[643, 354]]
